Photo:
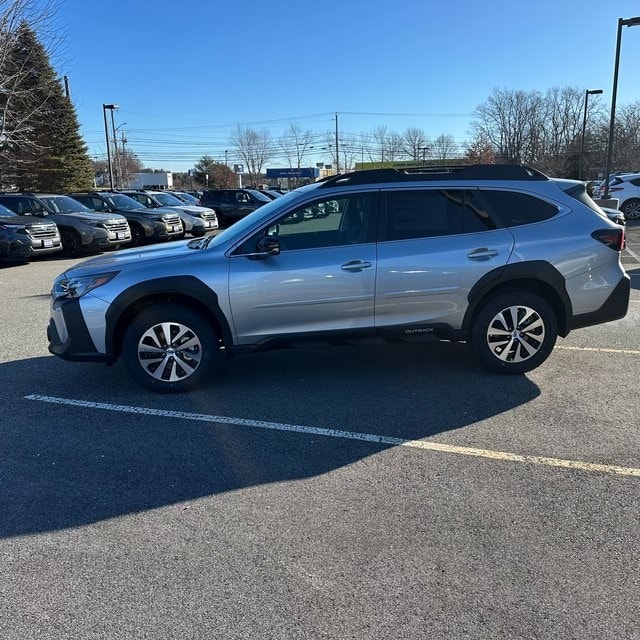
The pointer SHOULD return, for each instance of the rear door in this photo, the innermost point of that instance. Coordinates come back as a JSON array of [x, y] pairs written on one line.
[[434, 246]]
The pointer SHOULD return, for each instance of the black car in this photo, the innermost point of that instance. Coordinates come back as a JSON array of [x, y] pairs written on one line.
[[147, 225], [233, 204], [24, 237], [81, 229]]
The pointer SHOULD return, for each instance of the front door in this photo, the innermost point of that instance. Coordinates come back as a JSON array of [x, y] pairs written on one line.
[[322, 281]]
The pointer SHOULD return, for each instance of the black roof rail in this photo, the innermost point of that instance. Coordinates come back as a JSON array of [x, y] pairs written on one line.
[[444, 172]]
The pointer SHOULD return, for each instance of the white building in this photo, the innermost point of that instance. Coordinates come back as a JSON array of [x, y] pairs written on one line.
[[158, 180]]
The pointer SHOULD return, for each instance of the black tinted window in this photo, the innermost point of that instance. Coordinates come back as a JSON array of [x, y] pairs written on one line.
[[635, 182], [515, 209], [424, 214]]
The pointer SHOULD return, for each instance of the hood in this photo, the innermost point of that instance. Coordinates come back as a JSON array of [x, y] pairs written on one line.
[[137, 257], [90, 215], [29, 221]]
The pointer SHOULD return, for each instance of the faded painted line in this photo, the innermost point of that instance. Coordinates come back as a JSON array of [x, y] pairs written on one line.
[[632, 352], [349, 435], [632, 254]]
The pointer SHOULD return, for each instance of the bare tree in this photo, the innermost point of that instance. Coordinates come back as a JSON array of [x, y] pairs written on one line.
[[295, 143], [560, 132], [443, 147], [255, 148], [379, 144], [415, 143], [512, 121], [627, 138], [393, 146]]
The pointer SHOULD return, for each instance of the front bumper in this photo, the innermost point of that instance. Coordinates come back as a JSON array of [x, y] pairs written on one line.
[[69, 337]]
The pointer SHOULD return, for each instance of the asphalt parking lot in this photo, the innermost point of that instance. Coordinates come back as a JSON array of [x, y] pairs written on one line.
[[395, 492]]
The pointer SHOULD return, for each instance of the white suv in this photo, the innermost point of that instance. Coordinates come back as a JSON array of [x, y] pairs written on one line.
[[626, 188], [497, 255]]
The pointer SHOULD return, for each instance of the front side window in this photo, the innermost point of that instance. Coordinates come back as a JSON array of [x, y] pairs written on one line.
[[435, 212], [327, 222]]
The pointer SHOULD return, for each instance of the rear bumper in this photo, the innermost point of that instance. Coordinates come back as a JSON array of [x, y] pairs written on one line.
[[614, 308]]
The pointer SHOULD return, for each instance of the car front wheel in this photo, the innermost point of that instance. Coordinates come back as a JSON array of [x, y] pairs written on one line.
[[170, 348], [514, 333]]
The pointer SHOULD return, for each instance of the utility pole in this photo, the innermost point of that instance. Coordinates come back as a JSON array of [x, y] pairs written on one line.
[[337, 149]]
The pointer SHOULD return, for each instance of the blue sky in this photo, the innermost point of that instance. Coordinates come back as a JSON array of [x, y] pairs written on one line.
[[186, 75]]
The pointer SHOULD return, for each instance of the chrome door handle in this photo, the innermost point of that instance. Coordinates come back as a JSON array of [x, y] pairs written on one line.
[[355, 265], [482, 254]]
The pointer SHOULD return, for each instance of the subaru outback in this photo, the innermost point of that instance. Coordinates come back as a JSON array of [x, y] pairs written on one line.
[[23, 237], [81, 229], [147, 225], [499, 256]]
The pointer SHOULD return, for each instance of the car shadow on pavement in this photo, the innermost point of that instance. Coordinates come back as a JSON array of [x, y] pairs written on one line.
[[66, 466]]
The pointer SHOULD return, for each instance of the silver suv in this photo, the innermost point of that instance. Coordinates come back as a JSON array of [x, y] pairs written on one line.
[[497, 255]]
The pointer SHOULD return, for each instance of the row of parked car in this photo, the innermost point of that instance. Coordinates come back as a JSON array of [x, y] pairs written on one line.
[[34, 224]]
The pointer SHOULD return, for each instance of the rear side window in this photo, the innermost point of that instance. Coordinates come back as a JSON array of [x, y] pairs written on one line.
[[426, 214], [515, 209], [635, 182]]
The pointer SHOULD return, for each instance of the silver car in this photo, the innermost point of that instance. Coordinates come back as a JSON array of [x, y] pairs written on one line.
[[499, 256]]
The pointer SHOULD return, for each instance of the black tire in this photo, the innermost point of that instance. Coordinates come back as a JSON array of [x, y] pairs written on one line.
[[185, 358], [514, 333], [71, 244], [137, 235], [631, 209]]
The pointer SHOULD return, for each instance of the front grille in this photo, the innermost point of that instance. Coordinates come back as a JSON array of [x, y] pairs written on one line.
[[171, 218], [42, 230], [208, 215], [116, 225]]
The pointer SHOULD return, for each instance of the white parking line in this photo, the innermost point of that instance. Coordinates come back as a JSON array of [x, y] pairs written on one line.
[[632, 352], [632, 254], [349, 435]]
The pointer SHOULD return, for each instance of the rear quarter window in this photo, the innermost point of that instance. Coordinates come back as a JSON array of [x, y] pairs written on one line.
[[515, 209]]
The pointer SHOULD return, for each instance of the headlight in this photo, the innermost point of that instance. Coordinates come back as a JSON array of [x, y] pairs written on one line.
[[70, 287]]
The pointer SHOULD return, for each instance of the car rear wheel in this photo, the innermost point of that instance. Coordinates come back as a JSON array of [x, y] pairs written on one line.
[[514, 333], [631, 209], [170, 348]]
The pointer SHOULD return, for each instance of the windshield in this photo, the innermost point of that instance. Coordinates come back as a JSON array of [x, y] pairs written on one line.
[[125, 203], [6, 213], [64, 204], [187, 197], [259, 196], [167, 200]]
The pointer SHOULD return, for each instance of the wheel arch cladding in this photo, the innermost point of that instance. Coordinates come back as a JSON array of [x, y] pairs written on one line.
[[185, 290], [535, 277]]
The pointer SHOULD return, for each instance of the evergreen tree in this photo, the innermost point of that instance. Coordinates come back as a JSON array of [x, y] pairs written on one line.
[[55, 157]]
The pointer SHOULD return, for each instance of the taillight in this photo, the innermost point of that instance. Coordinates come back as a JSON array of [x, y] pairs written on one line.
[[614, 238]]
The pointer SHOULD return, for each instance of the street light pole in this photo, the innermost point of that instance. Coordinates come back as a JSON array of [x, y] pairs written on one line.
[[587, 93], [629, 22], [116, 164], [111, 107]]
